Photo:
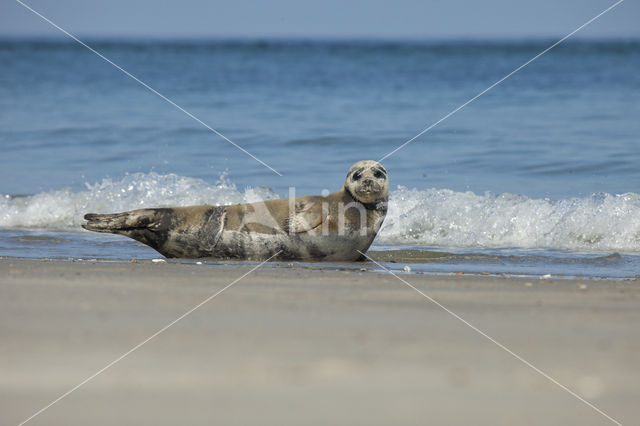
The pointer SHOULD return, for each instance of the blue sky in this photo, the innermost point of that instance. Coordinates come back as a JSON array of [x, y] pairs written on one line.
[[415, 19]]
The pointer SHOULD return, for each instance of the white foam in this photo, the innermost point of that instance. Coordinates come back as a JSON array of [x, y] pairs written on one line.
[[432, 217], [600, 222], [64, 209]]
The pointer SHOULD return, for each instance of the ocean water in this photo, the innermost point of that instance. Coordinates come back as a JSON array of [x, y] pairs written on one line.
[[538, 176]]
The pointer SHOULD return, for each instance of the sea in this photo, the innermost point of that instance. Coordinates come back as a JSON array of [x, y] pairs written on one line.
[[538, 177]]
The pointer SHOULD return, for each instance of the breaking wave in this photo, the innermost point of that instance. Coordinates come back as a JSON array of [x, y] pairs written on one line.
[[64, 209], [431, 217], [599, 222]]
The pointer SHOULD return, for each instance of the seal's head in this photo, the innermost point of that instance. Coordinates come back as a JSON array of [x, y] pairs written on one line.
[[367, 182]]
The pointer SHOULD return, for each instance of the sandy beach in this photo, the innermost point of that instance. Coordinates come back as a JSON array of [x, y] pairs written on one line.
[[293, 346]]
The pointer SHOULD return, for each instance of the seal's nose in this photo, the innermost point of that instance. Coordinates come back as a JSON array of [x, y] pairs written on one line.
[[367, 182]]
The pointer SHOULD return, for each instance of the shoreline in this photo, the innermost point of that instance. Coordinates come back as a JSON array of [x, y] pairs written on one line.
[[307, 346], [436, 264]]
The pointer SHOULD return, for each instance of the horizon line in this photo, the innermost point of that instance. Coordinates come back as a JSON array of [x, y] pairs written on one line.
[[322, 39]]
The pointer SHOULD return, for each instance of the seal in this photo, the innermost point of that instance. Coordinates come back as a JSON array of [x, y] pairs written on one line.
[[334, 227]]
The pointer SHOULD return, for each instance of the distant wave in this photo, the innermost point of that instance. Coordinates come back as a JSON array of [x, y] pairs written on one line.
[[431, 217]]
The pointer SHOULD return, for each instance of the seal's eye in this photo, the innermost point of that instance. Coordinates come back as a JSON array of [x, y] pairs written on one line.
[[378, 174], [356, 176]]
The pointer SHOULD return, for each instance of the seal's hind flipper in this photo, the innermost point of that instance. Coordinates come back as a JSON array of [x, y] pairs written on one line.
[[122, 223], [149, 226]]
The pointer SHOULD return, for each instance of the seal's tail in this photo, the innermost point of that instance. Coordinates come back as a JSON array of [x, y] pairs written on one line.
[[123, 223]]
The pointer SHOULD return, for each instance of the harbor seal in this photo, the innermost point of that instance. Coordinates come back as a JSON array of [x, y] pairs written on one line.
[[334, 227]]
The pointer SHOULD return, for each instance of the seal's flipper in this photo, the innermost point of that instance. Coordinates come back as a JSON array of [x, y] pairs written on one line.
[[122, 223], [149, 226], [306, 217]]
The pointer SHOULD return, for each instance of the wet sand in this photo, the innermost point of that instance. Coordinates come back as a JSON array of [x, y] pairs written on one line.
[[293, 346]]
